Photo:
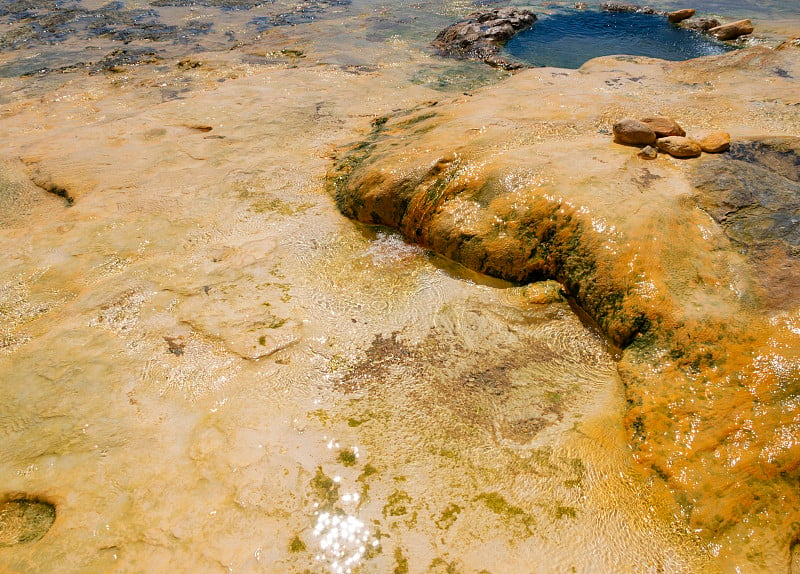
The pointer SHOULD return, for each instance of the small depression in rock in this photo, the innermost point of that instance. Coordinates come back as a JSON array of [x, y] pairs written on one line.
[[24, 520], [567, 40]]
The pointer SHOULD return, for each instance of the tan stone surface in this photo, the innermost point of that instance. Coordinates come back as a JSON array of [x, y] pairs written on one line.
[[713, 141]]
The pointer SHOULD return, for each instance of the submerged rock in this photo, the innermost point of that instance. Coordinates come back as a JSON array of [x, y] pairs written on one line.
[[678, 146], [24, 520], [732, 30], [633, 132], [481, 36]]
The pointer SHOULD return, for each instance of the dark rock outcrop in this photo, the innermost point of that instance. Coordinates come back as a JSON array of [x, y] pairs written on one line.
[[753, 193], [700, 24], [481, 36], [625, 7]]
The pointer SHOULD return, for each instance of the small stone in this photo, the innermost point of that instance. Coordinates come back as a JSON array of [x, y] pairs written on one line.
[[680, 15], [733, 30], [648, 152], [678, 146], [713, 142], [631, 132], [664, 126]]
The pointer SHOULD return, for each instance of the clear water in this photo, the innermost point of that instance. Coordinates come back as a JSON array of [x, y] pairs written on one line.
[[567, 40]]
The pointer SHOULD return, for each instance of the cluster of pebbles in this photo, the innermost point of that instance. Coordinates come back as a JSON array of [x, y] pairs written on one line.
[[662, 134]]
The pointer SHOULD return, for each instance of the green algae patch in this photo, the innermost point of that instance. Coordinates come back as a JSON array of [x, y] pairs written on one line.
[[449, 516], [297, 545], [400, 561], [325, 488], [495, 502], [347, 457], [396, 504]]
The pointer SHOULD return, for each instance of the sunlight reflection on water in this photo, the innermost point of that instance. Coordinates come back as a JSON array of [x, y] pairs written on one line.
[[343, 541]]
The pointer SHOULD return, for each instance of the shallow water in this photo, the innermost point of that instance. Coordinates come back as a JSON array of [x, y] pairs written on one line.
[[204, 364]]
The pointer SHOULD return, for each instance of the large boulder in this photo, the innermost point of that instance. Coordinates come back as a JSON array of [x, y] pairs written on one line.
[[633, 132], [481, 36], [732, 30]]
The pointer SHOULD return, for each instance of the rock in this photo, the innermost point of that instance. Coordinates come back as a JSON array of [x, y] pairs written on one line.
[[793, 42], [713, 142], [680, 15], [678, 146], [663, 126], [733, 30], [753, 193], [631, 132], [482, 34], [648, 152], [700, 24], [580, 5], [624, 7]]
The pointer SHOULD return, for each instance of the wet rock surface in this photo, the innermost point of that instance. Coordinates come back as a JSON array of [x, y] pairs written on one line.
[[677, 290], [121, 36], [753, 192], [482, 34]]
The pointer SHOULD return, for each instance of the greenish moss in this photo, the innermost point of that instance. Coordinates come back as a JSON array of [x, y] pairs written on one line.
[[353, 422], [262, 340], [500, 506], [579, 468], [297, 545], [276, 323], [321, 415], [449, 516], [347, 457], [325, 488], [368, 471], [396, 504], [565, 511], [401, 562]]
